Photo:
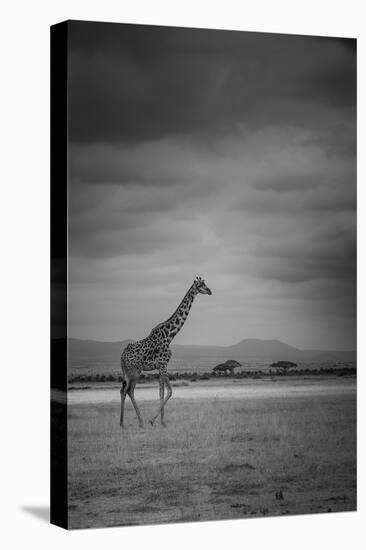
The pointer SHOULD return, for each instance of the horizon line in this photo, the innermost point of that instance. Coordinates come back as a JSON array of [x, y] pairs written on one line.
[[215, 345]]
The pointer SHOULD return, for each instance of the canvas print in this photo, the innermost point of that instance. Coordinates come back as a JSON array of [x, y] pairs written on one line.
[[203, 274]]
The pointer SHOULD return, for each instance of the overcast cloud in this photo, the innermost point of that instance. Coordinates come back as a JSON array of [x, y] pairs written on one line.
[[222, 154]]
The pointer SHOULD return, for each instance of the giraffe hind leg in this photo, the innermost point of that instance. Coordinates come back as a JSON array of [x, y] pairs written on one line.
[[131, 391], [123, 392]]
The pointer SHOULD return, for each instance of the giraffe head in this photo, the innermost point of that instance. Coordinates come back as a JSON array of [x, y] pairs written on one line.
[[200, 286]]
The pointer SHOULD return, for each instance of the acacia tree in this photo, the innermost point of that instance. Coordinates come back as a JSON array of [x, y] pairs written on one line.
[[282, 367], [229, 365]]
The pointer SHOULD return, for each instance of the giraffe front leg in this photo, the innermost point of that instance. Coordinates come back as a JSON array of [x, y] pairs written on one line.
[[169, 394], [165, 381], [161, 394]]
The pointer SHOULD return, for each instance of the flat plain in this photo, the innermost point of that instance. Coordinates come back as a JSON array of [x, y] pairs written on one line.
[[218, 458]]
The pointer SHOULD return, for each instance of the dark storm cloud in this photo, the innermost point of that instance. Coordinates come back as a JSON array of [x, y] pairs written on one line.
[[225, 154], [129, 83], [108, 220], [161, 163], [329, 257], [289, 182]]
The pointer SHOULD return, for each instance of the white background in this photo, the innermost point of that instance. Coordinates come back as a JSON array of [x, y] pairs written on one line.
[[24, 290]]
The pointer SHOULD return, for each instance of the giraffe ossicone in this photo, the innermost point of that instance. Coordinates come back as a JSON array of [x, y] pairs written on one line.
[[153, 353]]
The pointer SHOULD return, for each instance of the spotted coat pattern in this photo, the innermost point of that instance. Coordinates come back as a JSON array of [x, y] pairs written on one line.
[[153, 352]]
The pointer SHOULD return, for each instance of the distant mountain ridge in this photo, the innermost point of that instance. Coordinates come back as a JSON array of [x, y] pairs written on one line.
[[98, 356]]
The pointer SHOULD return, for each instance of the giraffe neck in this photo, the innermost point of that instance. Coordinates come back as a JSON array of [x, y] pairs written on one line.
[[172, 326]]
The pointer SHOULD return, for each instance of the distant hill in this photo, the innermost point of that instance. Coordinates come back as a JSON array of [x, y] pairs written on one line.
[[253, 347], [92, 357], [94, 349]]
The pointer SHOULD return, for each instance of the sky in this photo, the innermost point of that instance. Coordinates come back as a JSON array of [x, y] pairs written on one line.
[[224, 154]]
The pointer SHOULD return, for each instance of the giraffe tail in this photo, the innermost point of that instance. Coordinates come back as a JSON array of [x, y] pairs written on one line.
[[123, 366], [125, 377]]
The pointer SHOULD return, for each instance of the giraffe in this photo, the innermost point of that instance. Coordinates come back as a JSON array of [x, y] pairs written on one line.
[[153, 353]]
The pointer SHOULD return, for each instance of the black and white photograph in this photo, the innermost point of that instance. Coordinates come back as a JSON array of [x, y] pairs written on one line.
[[208, 369]]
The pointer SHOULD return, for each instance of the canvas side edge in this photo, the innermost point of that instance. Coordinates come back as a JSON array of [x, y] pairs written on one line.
[[59, 135]]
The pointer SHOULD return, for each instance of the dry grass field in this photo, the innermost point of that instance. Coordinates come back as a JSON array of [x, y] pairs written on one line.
[[217, 459]]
